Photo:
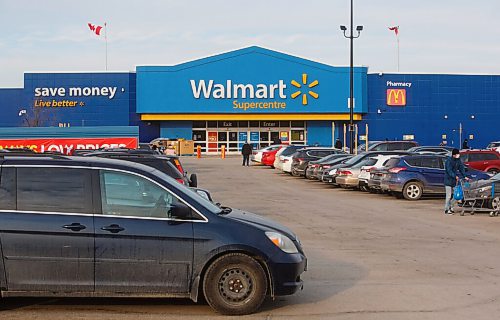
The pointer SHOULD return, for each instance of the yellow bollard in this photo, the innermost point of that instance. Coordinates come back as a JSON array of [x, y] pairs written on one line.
[[198, 152], [223, 152]]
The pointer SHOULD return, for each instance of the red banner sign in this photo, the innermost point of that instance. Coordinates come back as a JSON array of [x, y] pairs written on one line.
[[396, 97], [68, 145]]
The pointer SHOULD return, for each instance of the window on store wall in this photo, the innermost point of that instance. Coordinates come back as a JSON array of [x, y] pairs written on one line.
[[298, 124], [199, 124], [285, 124], [254, 124], [242, 124], [211, 124]]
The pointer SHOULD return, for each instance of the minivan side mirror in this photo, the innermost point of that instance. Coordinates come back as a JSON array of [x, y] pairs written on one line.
[[180, 211], [204, 193]]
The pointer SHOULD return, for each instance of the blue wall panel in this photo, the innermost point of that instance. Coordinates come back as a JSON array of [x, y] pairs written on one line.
[[176, 129], [176, 89], [436, 105], [319, 133], [107, 108], [11, 102]]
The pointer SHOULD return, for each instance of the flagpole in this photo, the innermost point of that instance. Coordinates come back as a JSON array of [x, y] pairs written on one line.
[[106, 40], [398, 50]]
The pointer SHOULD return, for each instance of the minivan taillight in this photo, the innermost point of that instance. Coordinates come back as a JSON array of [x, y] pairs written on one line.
[[397, 169]]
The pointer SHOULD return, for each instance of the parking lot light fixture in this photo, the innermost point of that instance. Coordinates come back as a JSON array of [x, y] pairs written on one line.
[[351, 36]]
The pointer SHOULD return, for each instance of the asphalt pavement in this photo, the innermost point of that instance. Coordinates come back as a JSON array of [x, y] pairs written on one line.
[[370, 256]]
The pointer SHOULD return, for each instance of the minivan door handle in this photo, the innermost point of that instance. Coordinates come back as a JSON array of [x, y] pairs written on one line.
[[74, 226], [113, 228]]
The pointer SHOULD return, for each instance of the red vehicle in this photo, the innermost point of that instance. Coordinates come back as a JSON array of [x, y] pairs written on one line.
[[268, 157], [484, 160]]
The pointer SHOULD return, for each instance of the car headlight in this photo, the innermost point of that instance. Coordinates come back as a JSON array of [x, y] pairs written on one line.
[[282, 242]]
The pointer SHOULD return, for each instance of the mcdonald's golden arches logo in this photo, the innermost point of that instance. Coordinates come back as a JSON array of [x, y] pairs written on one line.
[[396, 97]]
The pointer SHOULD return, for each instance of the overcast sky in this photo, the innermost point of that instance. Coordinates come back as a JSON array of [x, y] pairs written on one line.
[[436, 36]]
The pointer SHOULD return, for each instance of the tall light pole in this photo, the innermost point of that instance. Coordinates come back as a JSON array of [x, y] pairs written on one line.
[[351, 77]]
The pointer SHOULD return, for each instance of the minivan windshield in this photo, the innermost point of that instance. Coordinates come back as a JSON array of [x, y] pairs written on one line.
[[193, 195]]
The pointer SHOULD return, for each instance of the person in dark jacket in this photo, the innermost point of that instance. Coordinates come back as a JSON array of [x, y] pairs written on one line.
[[465, 145], [454, 170], [246, 151], [338, 144]]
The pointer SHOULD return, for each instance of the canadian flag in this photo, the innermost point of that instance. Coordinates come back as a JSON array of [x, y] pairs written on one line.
[[395, 29], [95, 29]]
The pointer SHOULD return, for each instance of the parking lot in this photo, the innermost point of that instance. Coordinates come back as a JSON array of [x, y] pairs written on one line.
[[370, 256]]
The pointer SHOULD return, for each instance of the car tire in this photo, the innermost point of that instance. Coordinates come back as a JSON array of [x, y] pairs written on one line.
[[493, 171], [413, 190], [495, 203], [364, 189], [221, 278], [295, 173]]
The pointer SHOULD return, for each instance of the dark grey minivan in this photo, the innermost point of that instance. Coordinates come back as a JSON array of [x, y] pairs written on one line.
[[91, 227]]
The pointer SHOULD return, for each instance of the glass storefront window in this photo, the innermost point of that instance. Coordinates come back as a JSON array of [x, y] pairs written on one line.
[[211, 124], [298, 135], [243, 124], [254, 124], [199, 124], [199, 135], [298, 124]]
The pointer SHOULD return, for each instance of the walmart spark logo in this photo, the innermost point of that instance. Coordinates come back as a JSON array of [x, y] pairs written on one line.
[[304, 95]]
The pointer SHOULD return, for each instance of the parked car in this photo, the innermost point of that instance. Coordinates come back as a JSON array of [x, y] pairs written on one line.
[[444, 150], [171, 165], [413, 176], [94, 227], [323, 167], [364, 174], [330, 174], [484, 160], [285, 157], [314, 166], [387, 146], [495, 145], [348, 177], [257, 154], [268, 157], [301, 158]]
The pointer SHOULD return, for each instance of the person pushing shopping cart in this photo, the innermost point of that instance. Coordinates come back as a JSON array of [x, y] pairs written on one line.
[[454, 171]]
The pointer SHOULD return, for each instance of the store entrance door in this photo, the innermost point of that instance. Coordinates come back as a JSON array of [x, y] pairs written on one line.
[[212, 141]]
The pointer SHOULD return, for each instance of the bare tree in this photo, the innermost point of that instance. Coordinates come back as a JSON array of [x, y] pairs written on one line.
[[38, 116]]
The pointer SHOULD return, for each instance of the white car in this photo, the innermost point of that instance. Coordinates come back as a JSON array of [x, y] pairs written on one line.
[[495, 145], [364, 175], [257, 154], [283, 160]]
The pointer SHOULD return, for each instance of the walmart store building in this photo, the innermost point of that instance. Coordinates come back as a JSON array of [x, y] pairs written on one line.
[[261, 95]]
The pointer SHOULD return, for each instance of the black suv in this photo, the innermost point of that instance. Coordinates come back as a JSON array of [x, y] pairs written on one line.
[[93, 227], [170, 165]]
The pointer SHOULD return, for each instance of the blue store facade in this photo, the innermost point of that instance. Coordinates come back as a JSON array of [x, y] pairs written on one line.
[[261, 95]]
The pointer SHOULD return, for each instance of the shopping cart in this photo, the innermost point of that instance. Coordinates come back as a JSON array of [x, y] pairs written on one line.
[[480, 197]]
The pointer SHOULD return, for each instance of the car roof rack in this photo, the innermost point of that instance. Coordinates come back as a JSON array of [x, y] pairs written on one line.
[[6, 155]]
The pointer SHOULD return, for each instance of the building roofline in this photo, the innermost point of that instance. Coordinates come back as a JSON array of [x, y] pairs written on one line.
[[236, 53]]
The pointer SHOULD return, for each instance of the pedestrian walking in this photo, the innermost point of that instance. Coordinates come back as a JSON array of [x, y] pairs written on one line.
[[246, 151], [465, 144], [338, 144], [454, 170]]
